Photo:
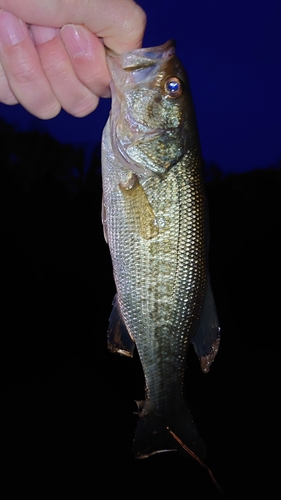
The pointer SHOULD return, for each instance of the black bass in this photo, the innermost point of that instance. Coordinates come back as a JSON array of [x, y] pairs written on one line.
[[155, 223]]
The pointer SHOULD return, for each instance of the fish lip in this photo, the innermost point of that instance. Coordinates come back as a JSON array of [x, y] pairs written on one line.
[[154, 54]]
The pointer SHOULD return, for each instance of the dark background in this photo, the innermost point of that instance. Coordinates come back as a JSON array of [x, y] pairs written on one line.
[[68, 404]]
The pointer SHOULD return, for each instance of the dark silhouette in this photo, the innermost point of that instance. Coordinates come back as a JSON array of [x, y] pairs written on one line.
[[68, 404]]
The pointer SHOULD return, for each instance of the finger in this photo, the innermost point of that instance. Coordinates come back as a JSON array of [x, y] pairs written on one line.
[[120, 23], [23, 70], [87, 54], [73, 95], [6, 95]]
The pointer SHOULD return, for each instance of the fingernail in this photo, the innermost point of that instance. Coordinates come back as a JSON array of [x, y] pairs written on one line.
[[12, 29], [42, 34], [75, 40]]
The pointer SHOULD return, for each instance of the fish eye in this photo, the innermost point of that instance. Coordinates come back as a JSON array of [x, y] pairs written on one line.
[[173, 87]]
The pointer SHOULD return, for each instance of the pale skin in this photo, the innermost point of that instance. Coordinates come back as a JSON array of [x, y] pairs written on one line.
[[52, 52]]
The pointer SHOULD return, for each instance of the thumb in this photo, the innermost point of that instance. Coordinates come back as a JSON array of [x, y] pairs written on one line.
[[120, 24]]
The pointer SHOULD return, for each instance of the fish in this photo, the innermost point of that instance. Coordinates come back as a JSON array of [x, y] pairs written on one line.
[[155, 221]]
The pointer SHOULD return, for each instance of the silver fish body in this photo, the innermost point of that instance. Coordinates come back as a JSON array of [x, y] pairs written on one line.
[[155, 223]]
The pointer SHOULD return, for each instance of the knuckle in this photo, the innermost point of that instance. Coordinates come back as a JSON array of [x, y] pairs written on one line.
[[83, 106], [137, 23], [25, 74]]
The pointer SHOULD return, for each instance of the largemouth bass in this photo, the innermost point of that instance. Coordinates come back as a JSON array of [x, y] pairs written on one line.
[[155, 223]]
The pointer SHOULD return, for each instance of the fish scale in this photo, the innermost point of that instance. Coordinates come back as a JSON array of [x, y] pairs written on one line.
[[155, 223]]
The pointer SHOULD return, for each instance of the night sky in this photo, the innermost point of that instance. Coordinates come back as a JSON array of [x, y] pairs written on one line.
[[232, 52]]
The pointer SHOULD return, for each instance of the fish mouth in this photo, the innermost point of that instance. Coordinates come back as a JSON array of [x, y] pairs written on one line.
[[142, 57]]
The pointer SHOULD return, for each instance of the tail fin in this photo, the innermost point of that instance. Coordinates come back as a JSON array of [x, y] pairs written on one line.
[[153, 435]]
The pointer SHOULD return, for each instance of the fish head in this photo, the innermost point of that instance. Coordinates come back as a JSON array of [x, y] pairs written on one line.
[[152, 117]]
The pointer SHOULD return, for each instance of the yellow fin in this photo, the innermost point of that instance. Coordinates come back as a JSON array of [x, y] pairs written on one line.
[[139, 208]]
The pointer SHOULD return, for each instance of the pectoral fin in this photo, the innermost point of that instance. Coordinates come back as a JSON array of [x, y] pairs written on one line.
[[139, 208], [118, 337], [207, 338]]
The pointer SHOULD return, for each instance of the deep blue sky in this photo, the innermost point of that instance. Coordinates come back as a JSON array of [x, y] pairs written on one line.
[[232, 52]]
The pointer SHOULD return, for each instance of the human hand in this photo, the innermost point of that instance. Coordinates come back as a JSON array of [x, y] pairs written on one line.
[[52, 52]]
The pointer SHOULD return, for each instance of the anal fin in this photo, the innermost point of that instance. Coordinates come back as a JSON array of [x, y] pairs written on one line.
[[118, 337], [207, 338]]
